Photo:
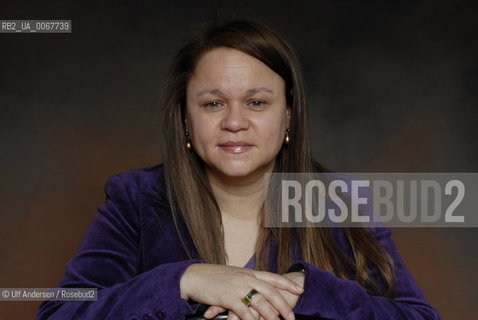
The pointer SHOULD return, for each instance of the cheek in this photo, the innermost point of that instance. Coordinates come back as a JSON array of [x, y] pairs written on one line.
[[274, 129], [202, 132], [272, 138]]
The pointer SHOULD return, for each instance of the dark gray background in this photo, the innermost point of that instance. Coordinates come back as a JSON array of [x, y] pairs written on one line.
[[392, 86]]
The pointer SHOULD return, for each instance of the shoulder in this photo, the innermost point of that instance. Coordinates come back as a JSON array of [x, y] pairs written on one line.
[[143, 178], [130, 184]]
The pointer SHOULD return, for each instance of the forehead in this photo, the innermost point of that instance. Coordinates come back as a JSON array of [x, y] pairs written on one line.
[[230, 67]]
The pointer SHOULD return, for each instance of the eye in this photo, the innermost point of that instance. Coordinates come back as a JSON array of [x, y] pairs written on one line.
[[257, 103], [212, 104]]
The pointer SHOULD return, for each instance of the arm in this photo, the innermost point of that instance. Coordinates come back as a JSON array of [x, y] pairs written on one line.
[[328, 296], [108, 259]]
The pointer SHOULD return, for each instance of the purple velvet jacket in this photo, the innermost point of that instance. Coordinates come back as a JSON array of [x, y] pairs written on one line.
[[133, 255]]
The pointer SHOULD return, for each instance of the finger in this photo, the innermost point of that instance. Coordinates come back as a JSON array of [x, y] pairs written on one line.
[[256, 314], [243, 312], [274, 298], [232, 316], [264, 308], [279, 281], [213, 311]]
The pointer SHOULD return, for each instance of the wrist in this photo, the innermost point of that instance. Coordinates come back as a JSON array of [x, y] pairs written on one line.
[[186, 281]]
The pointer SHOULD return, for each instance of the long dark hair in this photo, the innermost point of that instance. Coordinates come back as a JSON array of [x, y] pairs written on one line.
[[190, 193]]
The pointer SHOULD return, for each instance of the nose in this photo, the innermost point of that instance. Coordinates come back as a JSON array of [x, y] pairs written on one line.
[[235, 118]]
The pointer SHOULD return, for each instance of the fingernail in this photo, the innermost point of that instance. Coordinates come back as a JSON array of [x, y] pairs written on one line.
[[299, 288]]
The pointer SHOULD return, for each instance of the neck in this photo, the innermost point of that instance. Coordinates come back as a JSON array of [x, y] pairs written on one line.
[[239, 198]]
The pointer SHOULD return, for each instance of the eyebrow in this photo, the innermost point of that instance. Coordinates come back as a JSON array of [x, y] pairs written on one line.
[[249, 92]]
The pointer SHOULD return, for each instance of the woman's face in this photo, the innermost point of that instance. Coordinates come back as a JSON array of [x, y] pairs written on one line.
[[236, 113]]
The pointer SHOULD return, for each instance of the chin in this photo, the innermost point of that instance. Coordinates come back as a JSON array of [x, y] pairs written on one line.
[[236, 172], [239, 170]]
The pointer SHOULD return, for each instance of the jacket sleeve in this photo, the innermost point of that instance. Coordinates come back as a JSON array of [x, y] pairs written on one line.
[[108, 259], [330, 297]]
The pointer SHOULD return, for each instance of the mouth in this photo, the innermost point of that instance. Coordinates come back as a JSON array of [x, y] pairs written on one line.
[[235, 147]]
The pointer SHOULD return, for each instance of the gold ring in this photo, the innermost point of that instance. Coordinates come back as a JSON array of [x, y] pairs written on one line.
[[247, 299]]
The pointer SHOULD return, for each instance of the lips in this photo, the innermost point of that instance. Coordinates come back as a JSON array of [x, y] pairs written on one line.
[[235, 147]]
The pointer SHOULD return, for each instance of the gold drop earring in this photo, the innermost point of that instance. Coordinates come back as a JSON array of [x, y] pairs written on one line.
[[186, 133], [287, 138], [188, 140]]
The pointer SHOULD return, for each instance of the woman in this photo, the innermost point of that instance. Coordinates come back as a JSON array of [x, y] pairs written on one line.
[[188, 236]]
